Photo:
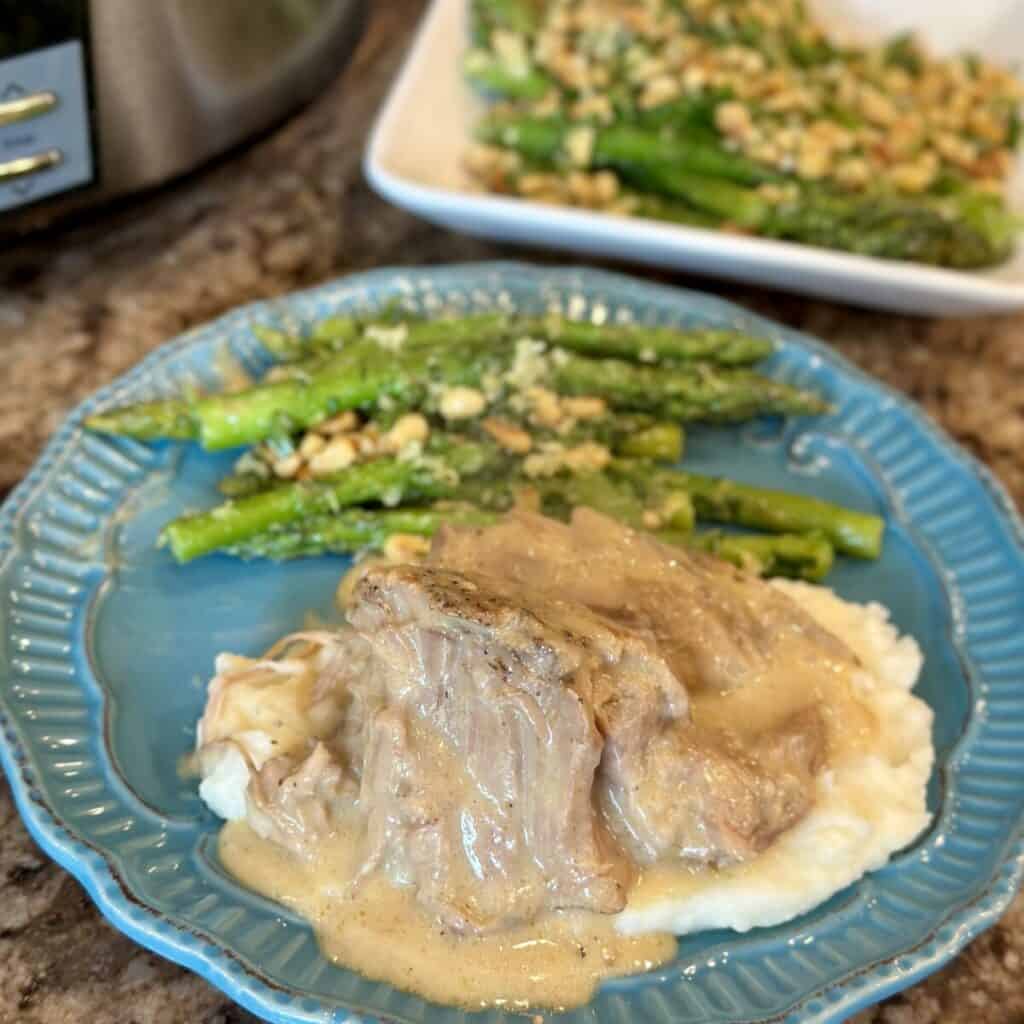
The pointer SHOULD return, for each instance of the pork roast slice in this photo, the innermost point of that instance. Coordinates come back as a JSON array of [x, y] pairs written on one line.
[[717, 626], [669, 787], [479, 774]]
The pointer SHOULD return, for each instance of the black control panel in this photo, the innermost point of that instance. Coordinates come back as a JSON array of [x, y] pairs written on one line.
[[40, 23]]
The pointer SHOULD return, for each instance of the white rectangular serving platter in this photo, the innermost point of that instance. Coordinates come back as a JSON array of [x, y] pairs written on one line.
[[414, 159]]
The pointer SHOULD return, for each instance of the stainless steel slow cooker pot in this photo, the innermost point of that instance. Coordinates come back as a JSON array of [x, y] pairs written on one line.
[[103, 97]]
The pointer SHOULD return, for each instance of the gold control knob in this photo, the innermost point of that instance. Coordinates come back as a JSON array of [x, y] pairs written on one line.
[[23, 166], [22, 108]]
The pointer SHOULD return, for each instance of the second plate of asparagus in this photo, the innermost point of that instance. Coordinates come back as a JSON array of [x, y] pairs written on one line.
[[746, 140], [366, 431], [747, 117]]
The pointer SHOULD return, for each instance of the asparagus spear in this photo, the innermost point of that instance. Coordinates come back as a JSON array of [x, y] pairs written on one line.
[[522, 16], [726, 347], [727, 501], [357, 378], [626, 436], [242, 483], [621, 147], [800, 556], [632, 436], [633, 201], [698, 392], [614, 497], [357, 529], [964, 229], [337, 334], [170, 418], [655, 207], [660, 442], [388, 481], [365, 374], [285, 534], [687, 116], [492, 75], [329, 334]]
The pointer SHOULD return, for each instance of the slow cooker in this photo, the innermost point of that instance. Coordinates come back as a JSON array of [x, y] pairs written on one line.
[[99, 98]]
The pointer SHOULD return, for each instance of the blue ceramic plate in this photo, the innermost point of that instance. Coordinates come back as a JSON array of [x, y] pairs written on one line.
[[105, 645]]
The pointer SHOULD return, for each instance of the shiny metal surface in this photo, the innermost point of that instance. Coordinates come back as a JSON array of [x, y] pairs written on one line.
[[26, 165], [22, 108], [179, 81]]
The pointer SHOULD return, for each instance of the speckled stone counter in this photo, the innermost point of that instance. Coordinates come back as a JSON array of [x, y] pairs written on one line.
[[82, 303]]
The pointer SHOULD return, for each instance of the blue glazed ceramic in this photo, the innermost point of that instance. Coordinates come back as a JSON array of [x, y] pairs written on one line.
[[105, 646]]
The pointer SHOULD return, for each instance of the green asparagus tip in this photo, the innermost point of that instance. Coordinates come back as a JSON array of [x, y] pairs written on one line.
[[279, 343], [103, 422], [797, 556], [146, 421], [661, 441], [175, 536]]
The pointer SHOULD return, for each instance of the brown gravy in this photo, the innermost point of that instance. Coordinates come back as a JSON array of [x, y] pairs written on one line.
[[379, 931]]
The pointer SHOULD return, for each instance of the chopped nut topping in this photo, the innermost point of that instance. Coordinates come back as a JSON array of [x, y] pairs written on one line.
[[579, 146], [853, 173], [311, 444], [408, 428], [535, 184], [553, 458], [508, 436], [877, 107], [914, 177], [339, 454], [391, 338], [529, 366], [733, 120], [605, 186], [594, 105], [546, 408], [287, 467], [405, 547], [511, 50], [367, 441], [339, 424], [660, 90], [462, 403], [814, 160], [585, 407], [589, 457]]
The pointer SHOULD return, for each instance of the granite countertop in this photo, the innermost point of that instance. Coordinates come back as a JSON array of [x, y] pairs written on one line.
[[81, 304]]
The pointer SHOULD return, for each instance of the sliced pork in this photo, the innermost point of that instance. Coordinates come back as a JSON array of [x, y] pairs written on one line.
[[718, 627], [478, 778]]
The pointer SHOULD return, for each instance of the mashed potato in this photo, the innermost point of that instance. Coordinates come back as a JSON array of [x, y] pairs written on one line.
[[867, 806]]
